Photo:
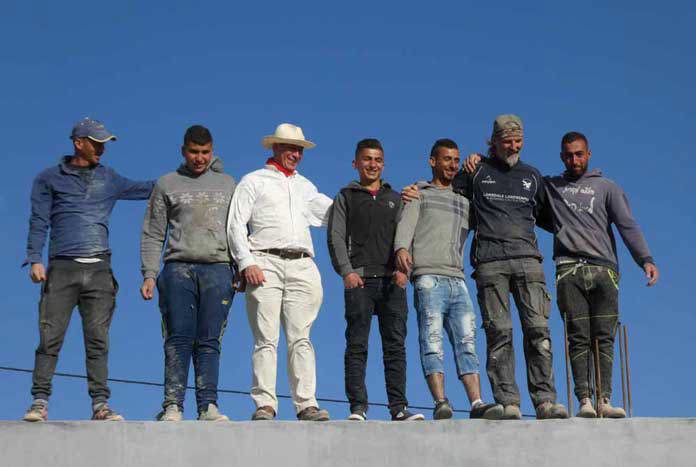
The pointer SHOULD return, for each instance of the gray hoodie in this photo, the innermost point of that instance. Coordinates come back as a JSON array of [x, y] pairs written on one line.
[[583, 211], [434, 229], [191, 214]]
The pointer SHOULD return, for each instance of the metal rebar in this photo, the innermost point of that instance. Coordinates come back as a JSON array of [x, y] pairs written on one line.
[[567, 364], [623, 369], [628, 371], [598, 377]]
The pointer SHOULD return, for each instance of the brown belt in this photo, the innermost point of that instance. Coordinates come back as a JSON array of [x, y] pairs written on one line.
[[285, 254]]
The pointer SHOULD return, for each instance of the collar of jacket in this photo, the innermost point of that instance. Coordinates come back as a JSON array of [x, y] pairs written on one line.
[[68, 168]]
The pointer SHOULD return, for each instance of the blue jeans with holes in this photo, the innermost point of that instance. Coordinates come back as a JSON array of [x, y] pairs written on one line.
[[194, 300], [444, 302]]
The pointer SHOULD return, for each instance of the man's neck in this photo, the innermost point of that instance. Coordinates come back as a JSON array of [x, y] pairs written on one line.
[[438, 182], [371, 186], [78, 161]]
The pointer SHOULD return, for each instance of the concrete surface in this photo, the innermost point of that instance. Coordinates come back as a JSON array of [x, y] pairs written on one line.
[[575, 442]]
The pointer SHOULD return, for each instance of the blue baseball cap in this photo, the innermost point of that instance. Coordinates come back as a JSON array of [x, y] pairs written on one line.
[[92, 129]]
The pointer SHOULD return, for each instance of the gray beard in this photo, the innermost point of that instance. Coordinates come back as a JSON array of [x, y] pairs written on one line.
[[512, 160]]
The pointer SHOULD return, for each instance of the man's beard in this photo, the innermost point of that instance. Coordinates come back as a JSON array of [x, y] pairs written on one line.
[[511, 160]]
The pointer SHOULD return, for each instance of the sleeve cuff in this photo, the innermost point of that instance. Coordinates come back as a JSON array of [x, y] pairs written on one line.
[[647, 259], [149, 274], [346, 270], [246, 262], [31, 259]]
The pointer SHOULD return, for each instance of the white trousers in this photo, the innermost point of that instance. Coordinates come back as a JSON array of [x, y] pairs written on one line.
[[291, 295]]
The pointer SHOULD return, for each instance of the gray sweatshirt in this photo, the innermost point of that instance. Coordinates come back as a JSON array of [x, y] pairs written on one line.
[[191, 214], [434, 229], [583, 211]]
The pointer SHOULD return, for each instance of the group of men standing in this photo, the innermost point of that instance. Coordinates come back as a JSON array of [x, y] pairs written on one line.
[[204, 237]]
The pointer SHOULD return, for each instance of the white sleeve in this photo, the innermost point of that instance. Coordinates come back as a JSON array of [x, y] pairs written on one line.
[[241, 207], [318, 206]]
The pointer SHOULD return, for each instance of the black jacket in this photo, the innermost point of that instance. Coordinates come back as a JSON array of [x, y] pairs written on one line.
[[507, 203]]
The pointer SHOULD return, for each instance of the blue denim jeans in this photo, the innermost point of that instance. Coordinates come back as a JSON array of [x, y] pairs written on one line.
[[443, 301], [194, 300]]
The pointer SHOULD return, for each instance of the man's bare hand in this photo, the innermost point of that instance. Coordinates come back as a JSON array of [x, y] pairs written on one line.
[[410, 193], [400, 279], [404, 261], [253, 275], [652, 273], [353, 281], [37, 273], [147, 290], [471, 162]]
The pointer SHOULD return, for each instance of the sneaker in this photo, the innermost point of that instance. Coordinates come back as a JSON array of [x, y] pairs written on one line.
[[404, 415], [586, 409], [171, 413], [104, 413], [491, 411], [357, 415], [212, 414], [442, 410], [548, 409], [38, 412], [511, 412], [313, 414], [607, 411], [263, 413]]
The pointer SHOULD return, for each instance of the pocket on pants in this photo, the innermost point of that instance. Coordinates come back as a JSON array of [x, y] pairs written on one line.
[[537, 297]]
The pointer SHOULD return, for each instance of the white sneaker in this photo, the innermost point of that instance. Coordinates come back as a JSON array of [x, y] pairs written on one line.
[[358, 416], [212, 414], [170, 414]]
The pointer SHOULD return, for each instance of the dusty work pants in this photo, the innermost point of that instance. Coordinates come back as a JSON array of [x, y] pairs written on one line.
[[291, 296]]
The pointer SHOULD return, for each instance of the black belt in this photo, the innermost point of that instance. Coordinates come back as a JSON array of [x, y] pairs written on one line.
[[285, 254]]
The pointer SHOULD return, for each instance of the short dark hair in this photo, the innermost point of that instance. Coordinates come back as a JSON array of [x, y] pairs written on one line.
[[572, 136], [197, 134], [442, 143], [368, 143]]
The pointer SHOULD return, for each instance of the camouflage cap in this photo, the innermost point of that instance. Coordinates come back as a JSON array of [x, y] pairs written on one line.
[[506, 126]]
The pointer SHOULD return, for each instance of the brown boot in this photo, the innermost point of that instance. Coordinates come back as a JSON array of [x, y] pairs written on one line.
[[607, 411]]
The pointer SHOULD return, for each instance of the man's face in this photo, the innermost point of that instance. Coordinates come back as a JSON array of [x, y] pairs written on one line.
[[576, 157], [508, 148], [89, 150], [445, 164], [197, 156], [369, 163], [287, 155]]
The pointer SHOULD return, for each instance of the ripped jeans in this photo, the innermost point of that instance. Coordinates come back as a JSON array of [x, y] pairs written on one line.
[[443, 302], [524, 278], [194, 300]]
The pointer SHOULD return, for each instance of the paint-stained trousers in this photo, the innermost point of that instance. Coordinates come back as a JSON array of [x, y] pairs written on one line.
[[291, 296], [524, 278], [588, 298], [194, 299]]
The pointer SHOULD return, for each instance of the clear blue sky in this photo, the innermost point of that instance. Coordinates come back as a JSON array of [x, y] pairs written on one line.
[[405, 73]]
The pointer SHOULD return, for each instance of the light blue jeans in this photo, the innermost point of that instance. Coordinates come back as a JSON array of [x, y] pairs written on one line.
[[443, 301]]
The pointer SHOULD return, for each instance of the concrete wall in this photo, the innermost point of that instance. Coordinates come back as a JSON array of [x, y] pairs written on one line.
[[634, 442]]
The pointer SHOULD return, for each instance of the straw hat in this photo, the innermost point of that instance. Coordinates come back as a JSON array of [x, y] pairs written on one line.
[[289, 134]]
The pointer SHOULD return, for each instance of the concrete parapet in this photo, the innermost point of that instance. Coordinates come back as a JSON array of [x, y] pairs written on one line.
[[575, 442]]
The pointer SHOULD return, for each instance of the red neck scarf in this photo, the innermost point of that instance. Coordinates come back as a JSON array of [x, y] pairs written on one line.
[[282, 169]]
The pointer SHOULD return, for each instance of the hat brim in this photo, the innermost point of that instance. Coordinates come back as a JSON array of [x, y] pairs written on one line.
[[98, 140], [268, 142]]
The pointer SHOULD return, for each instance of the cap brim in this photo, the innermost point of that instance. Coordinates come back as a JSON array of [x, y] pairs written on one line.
[[268, 142], [104, 140]]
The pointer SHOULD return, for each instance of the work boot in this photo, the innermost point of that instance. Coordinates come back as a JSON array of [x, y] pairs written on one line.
[[313, 414], [491, 411], [586, 409], [548, 409], [511, 412], [212, 414], [442, 410], [607, 411], [263, 413], [171, 413], [103, 412], [38, 412]]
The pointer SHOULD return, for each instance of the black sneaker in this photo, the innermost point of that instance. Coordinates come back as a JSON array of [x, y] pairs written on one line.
[[358, 415], [443, 410], [404, 415], [487, 411]]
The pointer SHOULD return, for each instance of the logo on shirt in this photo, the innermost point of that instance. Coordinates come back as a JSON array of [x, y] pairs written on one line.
[[526, 184], [488, 180], [391, 204]]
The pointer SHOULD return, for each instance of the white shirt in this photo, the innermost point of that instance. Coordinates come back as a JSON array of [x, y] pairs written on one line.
[[270, 210]]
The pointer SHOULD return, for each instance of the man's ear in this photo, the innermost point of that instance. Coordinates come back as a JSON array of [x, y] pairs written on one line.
[[431, 161], [183, 151], [353, 164], [589, 154]]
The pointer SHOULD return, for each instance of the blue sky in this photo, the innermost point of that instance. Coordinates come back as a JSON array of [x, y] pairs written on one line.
[[407, 73]]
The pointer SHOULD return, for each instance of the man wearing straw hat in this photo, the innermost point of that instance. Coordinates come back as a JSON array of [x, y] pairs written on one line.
[[268, 230]]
